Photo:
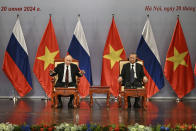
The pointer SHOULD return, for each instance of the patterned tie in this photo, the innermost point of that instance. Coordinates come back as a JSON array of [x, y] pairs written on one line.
[[67, 77], [131, 74]]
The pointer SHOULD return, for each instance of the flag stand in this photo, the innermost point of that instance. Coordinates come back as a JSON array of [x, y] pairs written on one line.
[[14, 98], [115, 99], [178, 100], [45, 98]]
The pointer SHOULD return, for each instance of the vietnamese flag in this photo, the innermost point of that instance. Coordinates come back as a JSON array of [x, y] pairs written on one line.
[[112, 54], [48, 50], [178, 68]]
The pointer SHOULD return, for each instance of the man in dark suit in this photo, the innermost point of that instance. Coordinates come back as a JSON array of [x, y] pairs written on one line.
[[132, 76], [67, 73]]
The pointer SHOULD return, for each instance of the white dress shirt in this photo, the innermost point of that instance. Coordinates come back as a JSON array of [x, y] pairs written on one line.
[[64, 75], [134, 69]]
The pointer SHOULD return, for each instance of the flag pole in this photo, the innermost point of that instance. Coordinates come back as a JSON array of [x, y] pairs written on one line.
[[46, 97], [115, 98], [178, 16], [78, 17], [148, 99], [113, 15], [178, 99], [14, 98]]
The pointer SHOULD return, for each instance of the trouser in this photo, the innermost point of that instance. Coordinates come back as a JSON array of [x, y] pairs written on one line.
[[135, 84], [70, 99], [136, 99], [62, 84]]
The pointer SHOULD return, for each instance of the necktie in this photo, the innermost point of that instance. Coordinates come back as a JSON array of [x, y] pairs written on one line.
[[67, 77], [131, 74]]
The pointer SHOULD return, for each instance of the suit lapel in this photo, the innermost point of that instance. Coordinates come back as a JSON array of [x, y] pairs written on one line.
[[128, 70], [137, 70], [71, 70], [63, 70]]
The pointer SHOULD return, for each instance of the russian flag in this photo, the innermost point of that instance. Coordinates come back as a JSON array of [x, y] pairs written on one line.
[[78, 49], [16, 62], [148, 52]]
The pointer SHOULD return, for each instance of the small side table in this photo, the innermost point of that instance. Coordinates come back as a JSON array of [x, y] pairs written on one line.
[[140, 92], [99, 90], [65, 92]]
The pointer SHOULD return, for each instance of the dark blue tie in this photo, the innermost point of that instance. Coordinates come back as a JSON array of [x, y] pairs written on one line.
[[131, 74]]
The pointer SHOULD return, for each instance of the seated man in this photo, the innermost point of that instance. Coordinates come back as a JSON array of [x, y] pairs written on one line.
[[132, 76], [67, 73]]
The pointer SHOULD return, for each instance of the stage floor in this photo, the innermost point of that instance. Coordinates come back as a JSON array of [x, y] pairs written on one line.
[[36, 111]]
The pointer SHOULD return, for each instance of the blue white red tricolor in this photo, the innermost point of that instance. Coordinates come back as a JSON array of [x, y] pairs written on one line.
[[78, 49], [148, 52], [16, 62]]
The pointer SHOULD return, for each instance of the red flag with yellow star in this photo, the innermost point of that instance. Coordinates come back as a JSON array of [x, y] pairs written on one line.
[[178, 68], [48, 50], [113, 53]]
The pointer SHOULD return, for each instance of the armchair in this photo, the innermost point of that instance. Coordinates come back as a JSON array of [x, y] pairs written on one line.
[[64, 91], [124, 93]]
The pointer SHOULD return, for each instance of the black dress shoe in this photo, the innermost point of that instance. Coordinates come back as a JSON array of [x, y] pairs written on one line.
[[136, 105], [70, 105], [59, 106], [129, 104]]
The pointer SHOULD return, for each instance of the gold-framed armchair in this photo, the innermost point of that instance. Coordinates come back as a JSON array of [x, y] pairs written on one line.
[[64, 91], [124, 93]]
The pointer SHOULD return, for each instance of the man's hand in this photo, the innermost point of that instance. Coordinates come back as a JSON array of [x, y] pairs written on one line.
[[82, 72], [51, 72], [119, 79], [145, 79]]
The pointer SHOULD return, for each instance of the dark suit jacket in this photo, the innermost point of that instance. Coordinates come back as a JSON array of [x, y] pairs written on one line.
[[59, 69], [125, 74]]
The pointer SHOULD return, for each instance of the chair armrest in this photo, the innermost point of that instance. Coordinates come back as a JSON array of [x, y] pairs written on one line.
[[77, 80], [53, 80]]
